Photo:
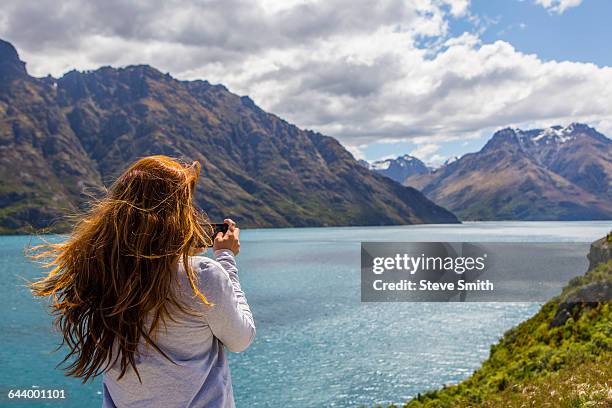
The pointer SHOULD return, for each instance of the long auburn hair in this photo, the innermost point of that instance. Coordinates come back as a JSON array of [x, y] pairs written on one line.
[[117, 267]]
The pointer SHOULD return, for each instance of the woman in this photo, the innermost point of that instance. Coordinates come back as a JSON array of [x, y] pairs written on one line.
[[133, 302]]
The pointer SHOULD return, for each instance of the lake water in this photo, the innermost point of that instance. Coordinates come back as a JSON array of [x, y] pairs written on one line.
[[317, 345]]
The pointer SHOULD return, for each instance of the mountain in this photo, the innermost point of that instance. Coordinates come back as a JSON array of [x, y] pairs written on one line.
[[398, 169], [558, 358], [558, 173], [62, 140]]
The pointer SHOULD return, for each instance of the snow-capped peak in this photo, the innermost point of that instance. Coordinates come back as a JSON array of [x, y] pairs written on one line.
[[555, 134], [401, 161], [381, 165]]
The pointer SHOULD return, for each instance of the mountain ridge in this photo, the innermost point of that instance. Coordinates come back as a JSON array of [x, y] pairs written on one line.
[[556, 173], [76, 133]]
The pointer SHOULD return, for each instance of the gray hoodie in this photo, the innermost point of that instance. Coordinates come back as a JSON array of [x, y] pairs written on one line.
[[198, 375]]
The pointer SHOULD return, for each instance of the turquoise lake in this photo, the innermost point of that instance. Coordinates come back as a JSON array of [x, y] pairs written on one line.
[[317, 345]]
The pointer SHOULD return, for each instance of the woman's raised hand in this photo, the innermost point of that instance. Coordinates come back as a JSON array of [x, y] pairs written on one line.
[[230, 240]]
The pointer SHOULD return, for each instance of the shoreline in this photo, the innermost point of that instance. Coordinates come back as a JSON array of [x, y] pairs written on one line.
[[398, 226]]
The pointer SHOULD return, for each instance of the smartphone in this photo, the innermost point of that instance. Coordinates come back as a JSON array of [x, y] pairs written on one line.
[[218, 228], [213, 230]]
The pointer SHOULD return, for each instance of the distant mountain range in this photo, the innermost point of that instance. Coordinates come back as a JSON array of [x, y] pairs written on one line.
[[398, 169], [557, 173], [61, 138]]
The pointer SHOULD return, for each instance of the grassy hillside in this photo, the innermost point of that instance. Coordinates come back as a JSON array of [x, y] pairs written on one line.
[[561, 357]]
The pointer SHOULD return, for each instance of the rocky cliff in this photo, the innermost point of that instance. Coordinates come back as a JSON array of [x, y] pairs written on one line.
[[600, 252]]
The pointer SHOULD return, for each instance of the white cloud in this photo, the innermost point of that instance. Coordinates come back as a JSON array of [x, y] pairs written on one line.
[[352, 69], [356, 152], [458, 8], [425, 151], [437, 159], [558, 6]]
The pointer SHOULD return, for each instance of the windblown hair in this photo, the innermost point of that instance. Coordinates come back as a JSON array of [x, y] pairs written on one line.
[[118, 266]]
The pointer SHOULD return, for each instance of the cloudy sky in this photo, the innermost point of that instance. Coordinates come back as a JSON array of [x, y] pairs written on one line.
[[433, 78]]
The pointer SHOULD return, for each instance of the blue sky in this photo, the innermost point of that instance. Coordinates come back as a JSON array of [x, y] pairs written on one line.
[[433, 78], [581, 33]]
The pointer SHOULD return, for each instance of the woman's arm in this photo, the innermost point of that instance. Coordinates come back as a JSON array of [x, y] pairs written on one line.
[[230, 317]]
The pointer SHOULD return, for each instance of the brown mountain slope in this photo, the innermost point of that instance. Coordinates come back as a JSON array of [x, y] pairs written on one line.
[[58, 136], [508, 180], [43, 167], [585, 158]]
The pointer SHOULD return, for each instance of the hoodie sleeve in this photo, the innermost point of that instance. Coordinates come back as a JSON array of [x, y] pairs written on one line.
[[229, 317]]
